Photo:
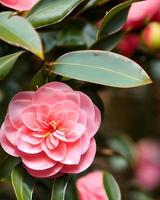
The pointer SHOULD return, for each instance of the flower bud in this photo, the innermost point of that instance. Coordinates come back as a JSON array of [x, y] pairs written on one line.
[[128, 45], [151, 36]]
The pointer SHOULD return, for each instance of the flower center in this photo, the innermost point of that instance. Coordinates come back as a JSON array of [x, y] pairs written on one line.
[[55, 126]]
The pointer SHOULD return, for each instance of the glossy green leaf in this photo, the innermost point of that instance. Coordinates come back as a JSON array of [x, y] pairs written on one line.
[[94, 3], [6, 167], [101, 2], [59, 188], [111, 187], [114, 19], [118, 163], [77, 33], [109, 42], [7, 62], [18, 31], [101, 67], [22, 183], [71, 191], [48, 39], [123, 145], [38, 80], [48, 12], [139, 195]]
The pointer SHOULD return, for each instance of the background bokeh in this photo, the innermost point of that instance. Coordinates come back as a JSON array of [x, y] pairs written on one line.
[[130, 116]]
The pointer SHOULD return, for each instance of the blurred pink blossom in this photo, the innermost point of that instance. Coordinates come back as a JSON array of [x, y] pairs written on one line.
[[19, 4], [128, 45], [51, 129], [141, 12], [147, 171], [90, 187]]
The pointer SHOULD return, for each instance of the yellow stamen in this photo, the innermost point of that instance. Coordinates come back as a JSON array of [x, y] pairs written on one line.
[[47, 134], [54, 124]]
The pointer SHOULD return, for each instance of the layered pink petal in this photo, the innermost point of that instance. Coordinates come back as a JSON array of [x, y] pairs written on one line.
[[87, 105], [38, 161], [42, 112], [15, 110], [27, 95], [35, 117], [7, 146], [73, 132], [28, 136], [73, 153], [92, 113], [9, 131], [47, 95], [57, 153], [65, 115], [26, 147], [18, 103], [76, 130], [61, 110], [85, 142], [75, 97], [28, 117], [57, 86], [82, 117], [19, 4], [93, 125], [51, 142], [46, 173], [85, 161]]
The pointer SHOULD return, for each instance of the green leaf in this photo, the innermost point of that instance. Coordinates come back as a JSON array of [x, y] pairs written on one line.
[[101, 2], [111, 187], [7, 62], [48, 12], [114, 19], [123, 145], [109, 42], [18, 31], [48, 39], [59, 188], [94, 3], [77, 33], [6, 167], [38, 80], [139, 195], [22, 183], [118, 163], [71, 191], [101, 67]]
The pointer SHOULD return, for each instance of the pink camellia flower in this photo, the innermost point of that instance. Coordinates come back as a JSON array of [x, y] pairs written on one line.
[[19, 4], [51, 130], [91, 187], [128, 45], [142, 11], [148, 164]]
